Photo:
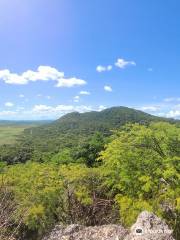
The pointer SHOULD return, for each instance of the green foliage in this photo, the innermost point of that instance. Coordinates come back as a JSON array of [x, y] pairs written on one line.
[[36, 187], [12, 154], [88, 153], [130, 208], [2, 166], [48, 193], [72, 130], [89, 201], [63, 157], [142, 164], [80, 173]]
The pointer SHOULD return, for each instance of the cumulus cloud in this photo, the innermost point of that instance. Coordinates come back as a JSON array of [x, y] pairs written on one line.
[[150, 108], [59, 109], [173, 114], [43, 111], [70, 82], [101, 68], [84, 93], [108, 88], [121, 63], [169, 110], [9, 104], [63, 109], [43, 73]]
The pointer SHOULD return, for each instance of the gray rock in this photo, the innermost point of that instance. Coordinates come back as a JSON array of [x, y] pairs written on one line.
[[147, 227], [78, 232]]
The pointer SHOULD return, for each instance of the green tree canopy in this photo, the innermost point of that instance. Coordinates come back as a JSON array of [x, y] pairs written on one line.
[[142, 165]]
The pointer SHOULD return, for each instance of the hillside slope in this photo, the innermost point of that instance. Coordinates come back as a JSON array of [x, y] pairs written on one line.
[[74, 128]]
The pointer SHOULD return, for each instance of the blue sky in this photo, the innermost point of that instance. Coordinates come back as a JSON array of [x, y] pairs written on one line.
[[60, 56]]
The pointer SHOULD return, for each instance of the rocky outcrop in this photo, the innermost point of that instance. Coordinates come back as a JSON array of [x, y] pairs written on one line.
[[147, 227], [77, 232]]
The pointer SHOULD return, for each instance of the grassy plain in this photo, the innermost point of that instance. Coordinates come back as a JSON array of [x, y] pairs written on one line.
[[9, 131]]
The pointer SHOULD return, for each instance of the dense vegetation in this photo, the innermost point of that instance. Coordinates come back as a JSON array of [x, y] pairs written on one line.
[[72, 131], [91, 174]]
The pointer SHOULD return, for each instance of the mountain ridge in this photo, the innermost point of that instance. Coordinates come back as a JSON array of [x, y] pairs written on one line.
[[72, 131], [75, 127]]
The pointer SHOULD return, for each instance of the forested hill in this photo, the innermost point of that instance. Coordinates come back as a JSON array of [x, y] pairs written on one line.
[[71, 132], [74, 128], [89, 122], [109, 118]]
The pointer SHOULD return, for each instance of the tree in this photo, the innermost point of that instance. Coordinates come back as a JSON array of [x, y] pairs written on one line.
[[142, 165], [88, 152], [63, 157], [36, 188]]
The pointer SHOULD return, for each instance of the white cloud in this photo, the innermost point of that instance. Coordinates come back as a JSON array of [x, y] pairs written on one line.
[[121, 63], [58, 110], [48, 97], [108, 88], [41, 108], [172, 99], [101, 68], [9, 104], [150, 108], [101, 107], [21, 95], [70, 82], [43, 73], [7, 113], [84, 93], [42, 111], [76, 99], [173, 114], [169, 110]]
